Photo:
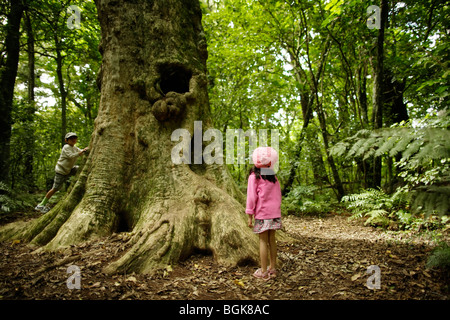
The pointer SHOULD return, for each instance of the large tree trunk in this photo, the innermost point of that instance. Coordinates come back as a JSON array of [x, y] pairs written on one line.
[[153, 81]]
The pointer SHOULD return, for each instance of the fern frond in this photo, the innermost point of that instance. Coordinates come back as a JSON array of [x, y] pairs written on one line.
[[376, 213], [339, 149], [387, 145], [412, 149], [431, 200], [440, 257], [377, 217], [401, 144], [358, 147]]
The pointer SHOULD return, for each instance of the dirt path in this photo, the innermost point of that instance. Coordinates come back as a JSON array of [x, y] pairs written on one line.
[[325, 258]]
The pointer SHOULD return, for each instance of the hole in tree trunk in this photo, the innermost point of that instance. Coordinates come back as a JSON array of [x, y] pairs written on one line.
[[174, 78], [202, 252], [196, 252], [124, 222]]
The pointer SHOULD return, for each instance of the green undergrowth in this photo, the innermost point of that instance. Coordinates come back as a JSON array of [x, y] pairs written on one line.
[[309, 200]]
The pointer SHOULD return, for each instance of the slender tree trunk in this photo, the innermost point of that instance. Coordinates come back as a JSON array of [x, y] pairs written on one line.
[[362, 95], [7, 81], [365, 166], [62, 89], [30, 52], [307, 101], [295, 161], [31, 104], [377, 114], [153, 81], [394, 112], [316, 158], [338, 187]]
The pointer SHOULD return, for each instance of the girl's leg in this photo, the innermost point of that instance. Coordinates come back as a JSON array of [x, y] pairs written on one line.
[[273, 249], [263, 250]]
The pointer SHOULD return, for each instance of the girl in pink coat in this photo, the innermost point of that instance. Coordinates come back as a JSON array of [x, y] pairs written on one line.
[[264, 204]]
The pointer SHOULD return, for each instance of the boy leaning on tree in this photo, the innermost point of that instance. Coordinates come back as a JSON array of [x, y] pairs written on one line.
[[65, 167]]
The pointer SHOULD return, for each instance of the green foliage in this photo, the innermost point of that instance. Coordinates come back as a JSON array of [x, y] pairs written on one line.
[[6, 203], [389, 211], [307, 200], [417, 142], [440, 257], [376, 205], [36, 125], [264, 57], [10, 201], [423, 152]]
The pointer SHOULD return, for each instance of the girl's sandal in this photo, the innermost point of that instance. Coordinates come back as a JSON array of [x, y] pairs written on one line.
[[272, 272], [261, 275]]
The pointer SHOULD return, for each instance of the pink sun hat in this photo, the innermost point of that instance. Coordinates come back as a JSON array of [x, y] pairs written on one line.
[[265, 157]]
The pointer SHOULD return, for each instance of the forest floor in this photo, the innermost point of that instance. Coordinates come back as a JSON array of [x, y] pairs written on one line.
[[324, 258]]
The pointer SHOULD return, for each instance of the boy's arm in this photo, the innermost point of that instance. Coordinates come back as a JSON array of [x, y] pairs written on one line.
[[67, 153], [82, 151]]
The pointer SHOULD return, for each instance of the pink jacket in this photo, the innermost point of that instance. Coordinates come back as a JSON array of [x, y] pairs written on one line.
[[263, 198]]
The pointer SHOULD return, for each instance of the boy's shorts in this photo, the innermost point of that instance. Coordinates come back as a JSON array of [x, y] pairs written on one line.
[[61, 178]]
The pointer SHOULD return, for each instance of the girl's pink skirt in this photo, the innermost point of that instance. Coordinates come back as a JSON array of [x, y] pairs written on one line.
[[267, 224]]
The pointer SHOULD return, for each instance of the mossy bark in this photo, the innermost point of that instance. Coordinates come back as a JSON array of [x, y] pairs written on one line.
[[153, 81]]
